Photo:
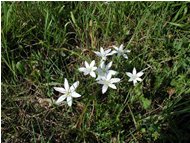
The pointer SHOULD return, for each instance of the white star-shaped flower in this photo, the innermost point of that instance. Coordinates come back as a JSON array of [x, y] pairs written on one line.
[[103, 70], [68, 92], [103, 54], [135, 76], [89, 69], [120, 51], [107, 81]]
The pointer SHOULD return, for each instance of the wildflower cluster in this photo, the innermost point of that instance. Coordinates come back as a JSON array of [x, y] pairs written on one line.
[[103, 74]]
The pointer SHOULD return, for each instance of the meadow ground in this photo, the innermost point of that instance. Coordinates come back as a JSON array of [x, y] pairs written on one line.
[[44, 42]]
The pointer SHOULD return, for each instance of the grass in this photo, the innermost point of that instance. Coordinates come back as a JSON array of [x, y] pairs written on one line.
[[45, 42]]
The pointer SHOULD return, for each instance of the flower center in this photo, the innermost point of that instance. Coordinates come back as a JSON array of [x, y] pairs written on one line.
[[68, 93], [106, 82], [104, 70], [134, 77], [89, 69]]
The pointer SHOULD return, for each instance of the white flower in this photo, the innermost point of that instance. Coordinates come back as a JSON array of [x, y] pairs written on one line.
[[120, 51], [89, 69], [103, 70], [135, 76], [107, 81], [103, 54], [68, 92]]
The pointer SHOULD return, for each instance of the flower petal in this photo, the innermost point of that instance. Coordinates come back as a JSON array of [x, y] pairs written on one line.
[[112, 72], [107, 51], [94, 68], [103, 58], [101, 50], [102, 64], [104, 88], [60, 89], [74, 94], [134, 71], [114, 80], [99, 70], [82, 69], [100, 82], [112, 86], [60, 99], [69, 100], [86, 72], [98, 53], [131, 79], [134, 82], [127, 51], [129, 74], [112, 52], [121, 47], [138, 79], [74, 86], [116, 48], [86, 64], [125, 56], [66, 85], [98, 78], [92, 63], [93, 74], [139, 74], [109, 76], [108, 66]]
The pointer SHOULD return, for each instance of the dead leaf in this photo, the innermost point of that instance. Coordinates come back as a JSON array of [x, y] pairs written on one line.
[[170, 91], [45, 102]]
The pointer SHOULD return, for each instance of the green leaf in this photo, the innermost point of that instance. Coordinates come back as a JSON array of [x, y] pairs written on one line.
[[145, 103], [20, 67]]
